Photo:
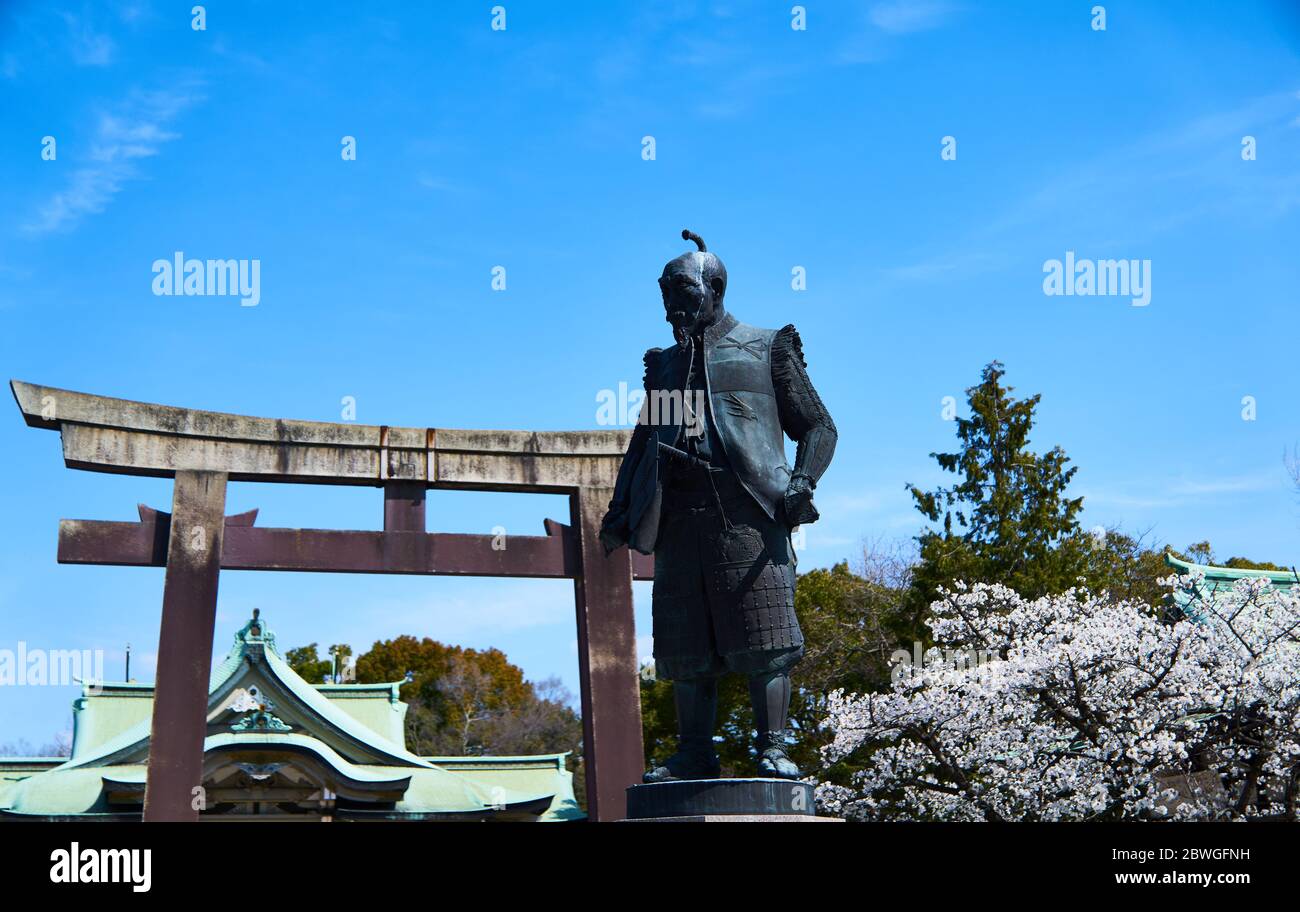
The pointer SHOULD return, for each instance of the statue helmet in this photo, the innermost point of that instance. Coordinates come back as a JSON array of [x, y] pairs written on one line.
[[704, 264]]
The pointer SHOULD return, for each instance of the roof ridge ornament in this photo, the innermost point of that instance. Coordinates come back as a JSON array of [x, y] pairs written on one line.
[[261, 721], [259, 718], [256, 633]]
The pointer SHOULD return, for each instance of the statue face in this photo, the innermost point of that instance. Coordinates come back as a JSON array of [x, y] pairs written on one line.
[[691, 302]]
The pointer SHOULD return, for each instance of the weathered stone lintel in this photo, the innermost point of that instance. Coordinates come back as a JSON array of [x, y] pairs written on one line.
[[117, 435]]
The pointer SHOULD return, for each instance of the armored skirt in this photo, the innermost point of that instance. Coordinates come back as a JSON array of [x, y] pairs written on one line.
[[724, 586]]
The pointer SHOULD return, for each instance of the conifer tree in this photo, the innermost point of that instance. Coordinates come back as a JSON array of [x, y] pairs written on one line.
[[1008, 518]]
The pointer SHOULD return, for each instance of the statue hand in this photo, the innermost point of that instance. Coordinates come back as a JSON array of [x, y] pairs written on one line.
[[613, 531], [798, 503]]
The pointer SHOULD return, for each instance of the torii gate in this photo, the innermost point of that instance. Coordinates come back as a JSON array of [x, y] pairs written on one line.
[[203, 451]]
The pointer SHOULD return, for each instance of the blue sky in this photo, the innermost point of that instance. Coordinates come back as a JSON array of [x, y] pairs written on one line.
[[523, 148]]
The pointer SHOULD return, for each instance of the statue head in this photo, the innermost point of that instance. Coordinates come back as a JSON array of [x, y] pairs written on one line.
[[693, 286]]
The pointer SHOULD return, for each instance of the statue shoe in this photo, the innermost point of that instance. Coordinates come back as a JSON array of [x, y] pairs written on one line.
[[685, 764], [774, 762]]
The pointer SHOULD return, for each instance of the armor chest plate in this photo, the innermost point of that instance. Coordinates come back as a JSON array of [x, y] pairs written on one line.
[[742, 405]]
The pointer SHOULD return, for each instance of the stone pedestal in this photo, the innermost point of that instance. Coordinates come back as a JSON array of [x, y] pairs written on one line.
[[724, 801]]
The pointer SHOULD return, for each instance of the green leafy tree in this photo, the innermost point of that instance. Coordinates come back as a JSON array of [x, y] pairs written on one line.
[[308, 665], [472, 702], [462, 701], [1008, 517], [1126, 567]]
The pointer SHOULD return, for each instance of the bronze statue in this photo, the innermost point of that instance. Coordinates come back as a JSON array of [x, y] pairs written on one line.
[[713, 498]]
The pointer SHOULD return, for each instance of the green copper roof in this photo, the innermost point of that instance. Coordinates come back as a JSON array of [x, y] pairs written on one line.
[[1218, 579], [530, 774], [379, 707], [105, 711], [262, 716], [1280, 578]]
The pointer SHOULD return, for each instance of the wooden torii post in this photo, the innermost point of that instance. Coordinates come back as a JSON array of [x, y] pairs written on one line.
[[203, 451]]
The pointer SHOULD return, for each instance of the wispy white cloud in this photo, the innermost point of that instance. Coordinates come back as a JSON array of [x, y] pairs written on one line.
[[949, 265], [39, 35], [135, 130], [240, 56], [874, 41], [1262, 481], [437, 183], [1118, 187], [88, 45], [1188, 491], [902, 16], [130, 12]]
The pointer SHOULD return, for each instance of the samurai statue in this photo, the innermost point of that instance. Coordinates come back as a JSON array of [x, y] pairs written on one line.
[[706, 487]]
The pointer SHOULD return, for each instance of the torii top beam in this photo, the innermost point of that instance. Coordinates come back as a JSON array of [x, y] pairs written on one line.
[[140, 438]]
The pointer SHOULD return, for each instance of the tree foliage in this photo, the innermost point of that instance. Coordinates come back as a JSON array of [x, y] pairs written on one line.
[[1126, 566], [1007, 517], [308, 665], [472, 702]]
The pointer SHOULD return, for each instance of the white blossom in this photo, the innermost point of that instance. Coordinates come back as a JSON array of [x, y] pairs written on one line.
[[1096, 709]]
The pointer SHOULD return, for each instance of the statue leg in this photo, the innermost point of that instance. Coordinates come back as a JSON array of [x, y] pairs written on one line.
[[769, 696], [696, 700], [697, 709], [757, 629]]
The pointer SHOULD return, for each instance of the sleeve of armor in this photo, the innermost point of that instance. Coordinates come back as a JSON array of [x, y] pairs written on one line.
[[623, 485], [803, 415]]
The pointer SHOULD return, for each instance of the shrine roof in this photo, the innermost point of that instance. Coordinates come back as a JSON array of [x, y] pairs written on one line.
[[1216, 580], [1279, 578], [352, 735]]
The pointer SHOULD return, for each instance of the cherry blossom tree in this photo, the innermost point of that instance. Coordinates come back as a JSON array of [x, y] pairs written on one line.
[[1082, 707]]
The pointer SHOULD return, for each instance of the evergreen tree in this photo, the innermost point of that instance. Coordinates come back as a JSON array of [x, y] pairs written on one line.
[[1008, 518]]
